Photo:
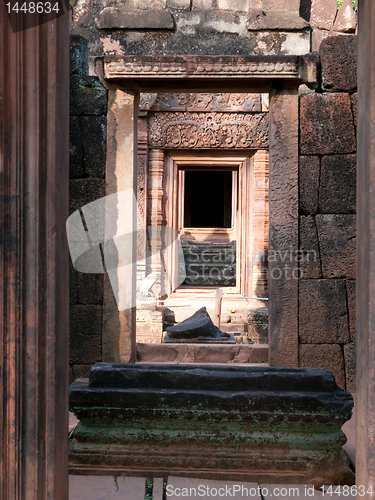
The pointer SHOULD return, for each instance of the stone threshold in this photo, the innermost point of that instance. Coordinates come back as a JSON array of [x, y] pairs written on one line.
[[203, 353]]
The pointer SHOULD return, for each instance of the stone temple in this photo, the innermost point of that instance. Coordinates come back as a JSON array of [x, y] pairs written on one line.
[[235, 128]]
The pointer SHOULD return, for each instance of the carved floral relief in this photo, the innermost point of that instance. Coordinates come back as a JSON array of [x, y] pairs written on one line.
[[208, 130], [202, 102]]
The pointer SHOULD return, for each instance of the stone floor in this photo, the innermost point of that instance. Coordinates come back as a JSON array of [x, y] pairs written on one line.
[[128, 488]]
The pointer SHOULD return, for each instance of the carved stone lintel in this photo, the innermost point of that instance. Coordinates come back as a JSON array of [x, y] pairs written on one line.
[[182, 101], [193, 67], [208, 130]]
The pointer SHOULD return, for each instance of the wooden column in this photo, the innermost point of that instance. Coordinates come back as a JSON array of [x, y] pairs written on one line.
[[283, 228], [365, 402], [119, 326], [34, 114]]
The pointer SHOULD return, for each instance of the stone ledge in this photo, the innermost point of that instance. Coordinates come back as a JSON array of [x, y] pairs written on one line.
[[238, 423], [122, 18], [278, 20]]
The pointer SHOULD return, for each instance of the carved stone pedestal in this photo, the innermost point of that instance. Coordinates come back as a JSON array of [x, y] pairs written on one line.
[[248, 424]]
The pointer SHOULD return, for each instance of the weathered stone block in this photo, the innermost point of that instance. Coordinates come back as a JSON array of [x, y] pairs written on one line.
[[204, 4], [338, 56], [87, 96], [90, 288], [309, 246], [275, 4], [308, 180], [268, 423], [78, 55], [322, 312], [337, 193], [75, 148], [236, 5], [326, 124], [145, 4], [121, 18], [81, 371], [83, 191], [258, 325], [94, 145], [346, 19], [275, 20], [350, 366], [337, 240], [324, 357], [149, 326], [353, 98], [85, 334], [323, 14], [351, 293], [178, 4]]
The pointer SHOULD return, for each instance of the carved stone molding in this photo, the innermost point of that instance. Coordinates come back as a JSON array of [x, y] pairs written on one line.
[[197, 67], [208, 130], [182, 101]]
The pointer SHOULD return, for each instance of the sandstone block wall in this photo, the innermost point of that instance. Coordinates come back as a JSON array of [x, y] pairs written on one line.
[[327, 189], [88, 108]]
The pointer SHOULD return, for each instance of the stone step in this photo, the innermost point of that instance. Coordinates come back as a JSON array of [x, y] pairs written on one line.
[[213, 270], [202, 353], [233, 328], [213, 274]]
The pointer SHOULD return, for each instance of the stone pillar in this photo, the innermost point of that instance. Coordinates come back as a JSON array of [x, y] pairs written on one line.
[[119, 326], [283, 228], [142, 197], [365, 402], [155, 213], [34, 142]]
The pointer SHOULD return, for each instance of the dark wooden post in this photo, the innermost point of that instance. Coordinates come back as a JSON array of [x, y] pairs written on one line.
[[365, 444], [34, 114]]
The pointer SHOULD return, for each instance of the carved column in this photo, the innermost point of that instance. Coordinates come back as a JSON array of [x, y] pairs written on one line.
[[260, 224], [34, 271], [142, 197], [365, 402], [155, 214], [283, 233]]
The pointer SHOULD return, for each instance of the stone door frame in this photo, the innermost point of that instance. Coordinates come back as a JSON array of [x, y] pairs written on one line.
[[280, 76], [244, 161]]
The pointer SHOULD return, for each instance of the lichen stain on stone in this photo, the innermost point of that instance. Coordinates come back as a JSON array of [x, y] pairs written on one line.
[[112, 47], [270, 43]]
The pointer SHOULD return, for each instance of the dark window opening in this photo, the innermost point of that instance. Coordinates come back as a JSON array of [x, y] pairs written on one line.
[[208, 198]]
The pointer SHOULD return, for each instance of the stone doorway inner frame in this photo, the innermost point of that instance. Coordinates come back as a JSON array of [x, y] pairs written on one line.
[[241, 162], [280, 76]]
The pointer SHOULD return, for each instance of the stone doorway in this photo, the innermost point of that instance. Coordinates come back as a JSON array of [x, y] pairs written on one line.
[[208, 180], [280, 76]]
